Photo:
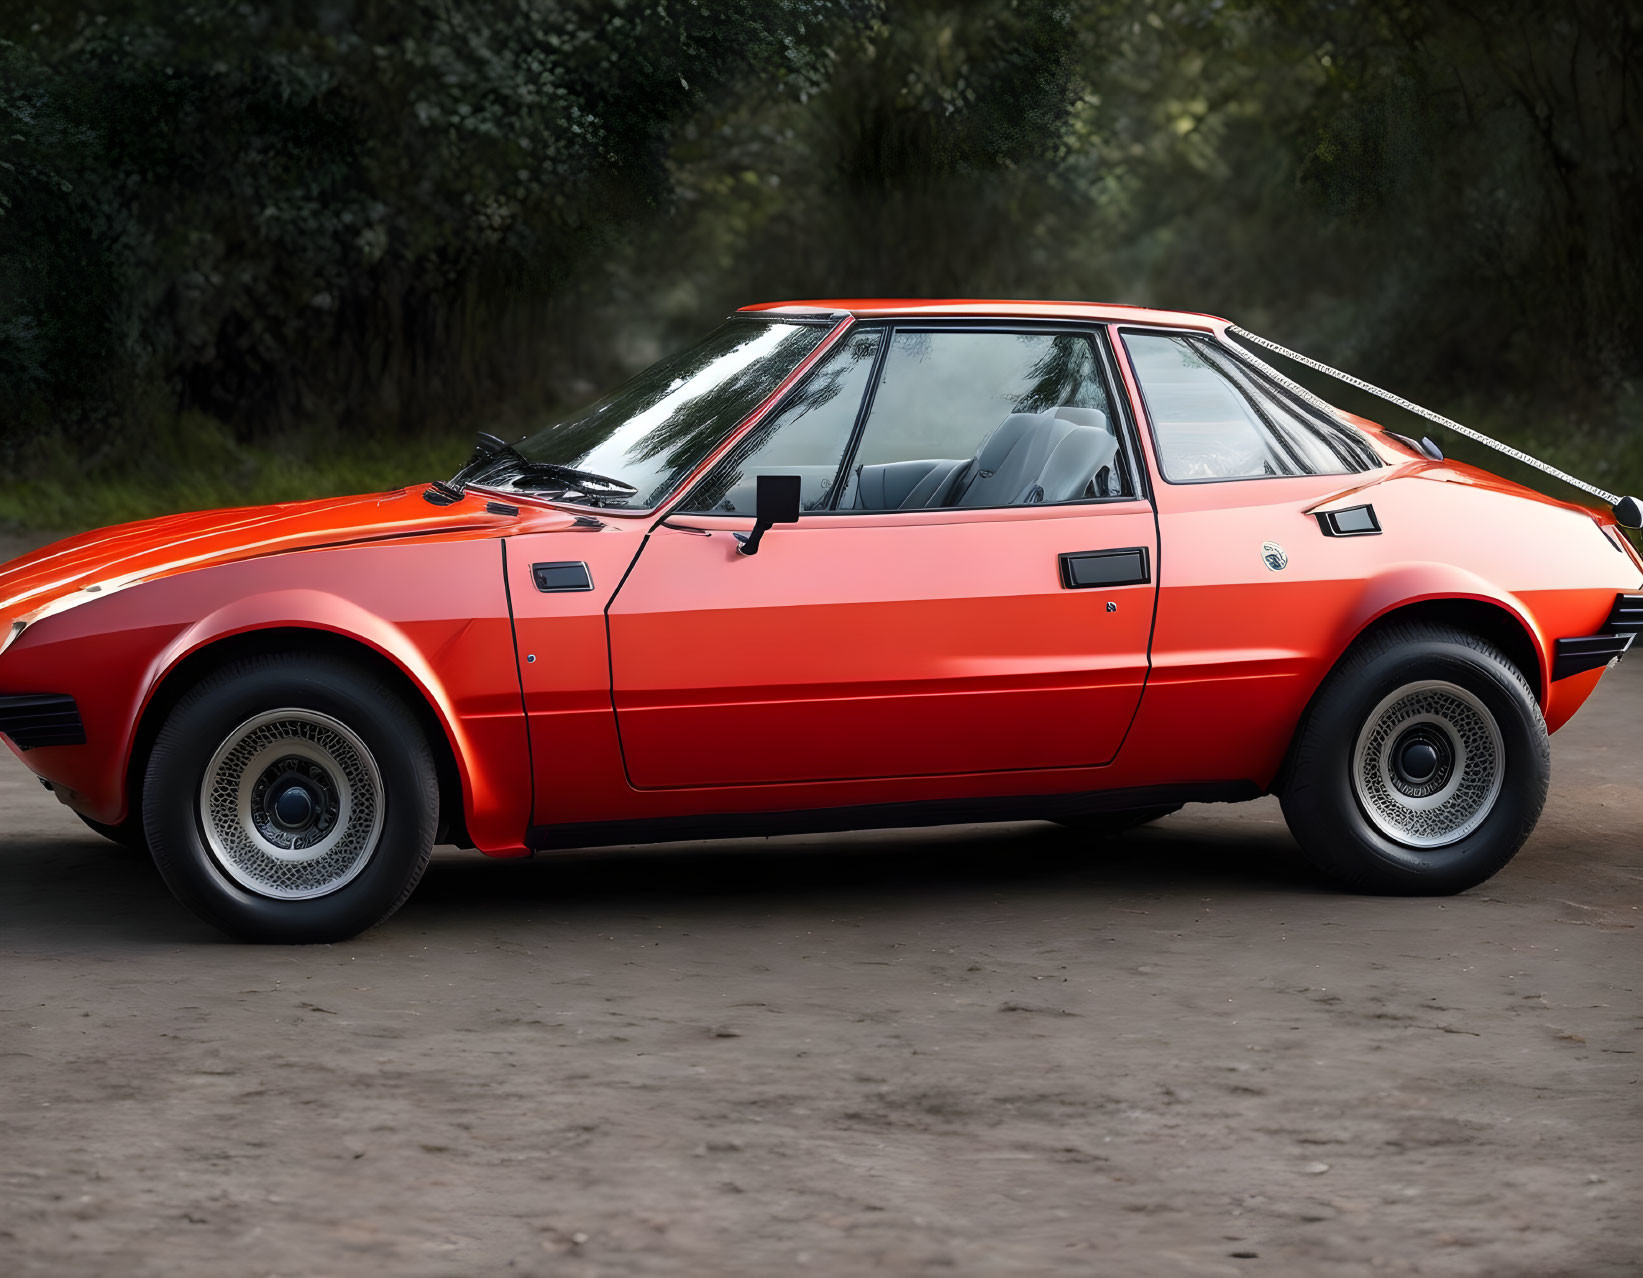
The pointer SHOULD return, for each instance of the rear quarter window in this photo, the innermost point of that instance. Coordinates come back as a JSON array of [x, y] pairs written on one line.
[[1215, 418]]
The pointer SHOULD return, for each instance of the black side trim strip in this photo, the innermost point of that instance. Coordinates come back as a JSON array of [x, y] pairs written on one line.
[[1576, 656], [1081, 570], [41, 719], [884, 816]]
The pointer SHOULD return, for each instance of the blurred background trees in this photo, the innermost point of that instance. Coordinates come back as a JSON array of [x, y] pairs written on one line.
[[259, 250]]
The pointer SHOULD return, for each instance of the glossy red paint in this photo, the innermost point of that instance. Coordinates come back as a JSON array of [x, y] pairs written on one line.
[[974, 308], [858, 659], [878, 646], [429, 599]]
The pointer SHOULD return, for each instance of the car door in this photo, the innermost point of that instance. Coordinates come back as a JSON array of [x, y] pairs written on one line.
[[969, 589]]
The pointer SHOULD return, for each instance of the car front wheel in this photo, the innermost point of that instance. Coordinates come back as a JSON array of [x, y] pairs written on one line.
[[1422, 766], [291, 799]]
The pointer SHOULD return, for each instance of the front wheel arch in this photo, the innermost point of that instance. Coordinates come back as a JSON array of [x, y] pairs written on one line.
[[209, 658]]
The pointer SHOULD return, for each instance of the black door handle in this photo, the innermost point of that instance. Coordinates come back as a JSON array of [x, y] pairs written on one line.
[[1081, 570], [553, 579]]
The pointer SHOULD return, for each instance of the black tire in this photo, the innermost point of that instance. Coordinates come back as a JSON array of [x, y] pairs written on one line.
[[128, 837], [1105, 825], [1364, 820], [379, 790]]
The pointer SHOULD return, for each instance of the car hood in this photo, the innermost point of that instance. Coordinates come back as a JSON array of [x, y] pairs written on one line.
[[114, 558]]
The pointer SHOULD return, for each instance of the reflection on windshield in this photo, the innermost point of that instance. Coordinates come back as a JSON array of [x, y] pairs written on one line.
[[650, 432]]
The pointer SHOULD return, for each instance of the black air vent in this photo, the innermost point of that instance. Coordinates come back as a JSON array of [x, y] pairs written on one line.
[[41, 719], [1354, 521], [1627, 617]]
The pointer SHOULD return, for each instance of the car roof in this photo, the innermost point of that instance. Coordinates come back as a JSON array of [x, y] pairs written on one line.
[[985, 308]]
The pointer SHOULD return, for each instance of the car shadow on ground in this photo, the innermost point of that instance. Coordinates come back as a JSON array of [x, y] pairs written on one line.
[[55, 888], [880, 866], [1032, 866]]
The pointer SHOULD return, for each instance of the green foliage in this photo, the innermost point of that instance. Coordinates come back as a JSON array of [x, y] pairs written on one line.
[[362, 221], [191, 462], [351, 210]]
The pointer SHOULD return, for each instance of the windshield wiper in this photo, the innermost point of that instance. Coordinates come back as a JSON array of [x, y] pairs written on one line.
[[573, 480], [494, 459], [487, 453]]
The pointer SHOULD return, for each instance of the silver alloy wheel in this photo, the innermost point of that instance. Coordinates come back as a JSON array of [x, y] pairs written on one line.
[[292, 804], [1429, 764]]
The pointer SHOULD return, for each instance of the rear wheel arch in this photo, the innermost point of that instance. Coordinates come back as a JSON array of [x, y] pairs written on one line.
[[1492, 622], [210, 657], [1373, 815]]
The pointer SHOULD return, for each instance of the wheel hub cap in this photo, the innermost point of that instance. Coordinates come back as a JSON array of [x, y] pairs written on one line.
[[1418, 762], [292, 804], [1428, 765], [1423, 760], [295, 802], [294, 808]]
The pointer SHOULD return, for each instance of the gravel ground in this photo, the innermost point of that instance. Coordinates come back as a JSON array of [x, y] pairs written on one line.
[[965, 1050]]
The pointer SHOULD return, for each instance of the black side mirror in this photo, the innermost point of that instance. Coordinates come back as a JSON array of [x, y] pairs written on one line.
[[778, 503]]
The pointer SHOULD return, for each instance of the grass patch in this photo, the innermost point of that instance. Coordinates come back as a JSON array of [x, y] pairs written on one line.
[[193, 462]]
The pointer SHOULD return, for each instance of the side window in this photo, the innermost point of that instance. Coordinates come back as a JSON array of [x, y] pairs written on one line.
[[1213, 418], [986, 419], [807, 437]]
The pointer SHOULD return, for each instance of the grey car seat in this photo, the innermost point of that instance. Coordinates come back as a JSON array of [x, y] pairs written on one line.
[[907, 485], [1111, 480], [1033, 458], [1059, 455]]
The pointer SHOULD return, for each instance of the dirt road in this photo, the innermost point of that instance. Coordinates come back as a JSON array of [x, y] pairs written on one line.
[[966, 1050]]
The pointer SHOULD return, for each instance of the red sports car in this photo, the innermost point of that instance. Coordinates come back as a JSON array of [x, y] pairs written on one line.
[[841, 564]]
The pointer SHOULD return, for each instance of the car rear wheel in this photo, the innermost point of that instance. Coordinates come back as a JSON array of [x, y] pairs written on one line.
[[1422, 766], [291, 798]]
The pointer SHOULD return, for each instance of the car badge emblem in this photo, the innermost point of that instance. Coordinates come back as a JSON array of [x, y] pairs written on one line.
[[1274, 555]]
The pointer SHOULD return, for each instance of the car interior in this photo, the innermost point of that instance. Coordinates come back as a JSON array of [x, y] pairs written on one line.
[[1061, 454]]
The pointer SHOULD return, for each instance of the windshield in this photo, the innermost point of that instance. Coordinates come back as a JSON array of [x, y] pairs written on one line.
[[629, 449]]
